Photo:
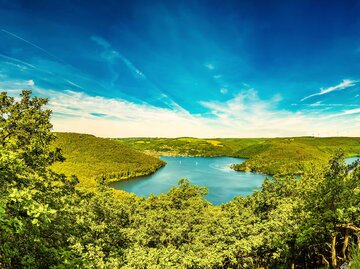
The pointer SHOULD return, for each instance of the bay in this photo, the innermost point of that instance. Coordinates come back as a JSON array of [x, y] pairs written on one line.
[[214, 173]]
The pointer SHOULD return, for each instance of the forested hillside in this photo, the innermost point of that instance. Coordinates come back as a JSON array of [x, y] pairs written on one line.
[[268, 156], [278, 156], [183, 146], [94, 159]]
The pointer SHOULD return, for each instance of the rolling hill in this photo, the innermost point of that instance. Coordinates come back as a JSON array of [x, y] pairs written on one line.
[[265, 155], [189, 146], [92, 159], [278, 156]]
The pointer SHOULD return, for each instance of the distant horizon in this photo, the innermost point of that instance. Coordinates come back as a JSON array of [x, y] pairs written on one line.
[[195, 68], [207, 138]]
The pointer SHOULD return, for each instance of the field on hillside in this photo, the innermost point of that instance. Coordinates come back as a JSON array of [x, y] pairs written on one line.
[[265, 155], [94, 159], [188, 146]]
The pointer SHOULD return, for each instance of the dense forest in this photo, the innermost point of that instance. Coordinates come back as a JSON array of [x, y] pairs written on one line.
[[265, 155], [94, 159], [48, 221]]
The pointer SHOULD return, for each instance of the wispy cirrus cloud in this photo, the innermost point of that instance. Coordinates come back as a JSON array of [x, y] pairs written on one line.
[[346, 83], [209, 66], [20, 64], [347, 112], [110, 55], [33, 45], [111, 117], [245, 114], [320, 104], [224, 90]]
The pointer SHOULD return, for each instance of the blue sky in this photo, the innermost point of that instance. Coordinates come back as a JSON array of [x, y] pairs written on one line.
[[187, 68]]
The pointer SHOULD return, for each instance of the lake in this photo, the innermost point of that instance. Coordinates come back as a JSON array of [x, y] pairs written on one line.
[[222, 182], [215, 173], [351, 160]]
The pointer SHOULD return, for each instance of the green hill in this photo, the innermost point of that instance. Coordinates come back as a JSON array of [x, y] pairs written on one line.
[[92, 158], [265, 155], [350, 145], [189, 146], [276, 156], [183, 146]]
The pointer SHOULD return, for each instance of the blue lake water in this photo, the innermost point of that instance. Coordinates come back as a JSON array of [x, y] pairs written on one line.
[[222, 182], [351, 159]]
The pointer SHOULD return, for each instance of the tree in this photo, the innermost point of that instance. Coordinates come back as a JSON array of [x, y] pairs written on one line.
[[25, 137], [32, 196], [333, 212]]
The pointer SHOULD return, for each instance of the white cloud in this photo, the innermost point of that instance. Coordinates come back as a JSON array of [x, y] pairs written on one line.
[[30, 82], [17, 85], [209, 66], [318, 103], [32, 44], [351, 111], [74, 111], [346, 83], [224, 90], [20, 64], [100, 41], [243, 115], [74, 84], [110, 56], [246, 115], [346, 113]]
